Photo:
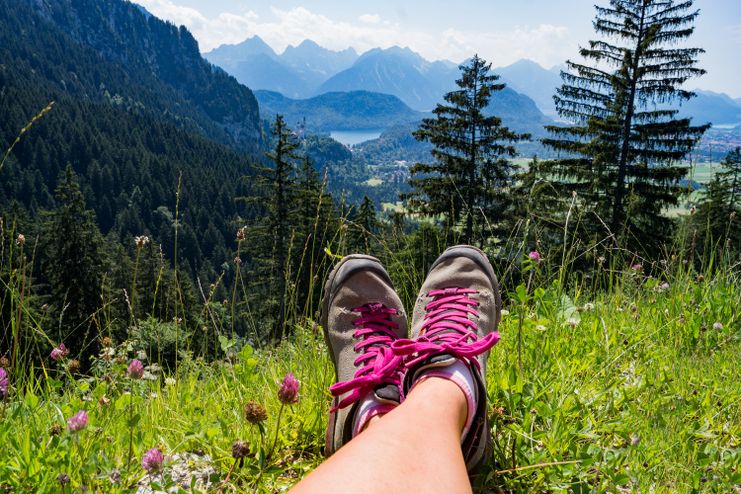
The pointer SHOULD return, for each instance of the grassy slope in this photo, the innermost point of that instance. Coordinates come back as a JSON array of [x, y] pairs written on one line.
[[639, 393]]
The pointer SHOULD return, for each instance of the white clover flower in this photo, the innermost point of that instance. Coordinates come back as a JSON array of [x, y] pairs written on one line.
[[504, 312], [717, 325], [588, 306], [573, 322], [540, 327], [170, 381]]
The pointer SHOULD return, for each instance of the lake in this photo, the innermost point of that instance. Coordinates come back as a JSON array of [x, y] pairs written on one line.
[[352, 137]]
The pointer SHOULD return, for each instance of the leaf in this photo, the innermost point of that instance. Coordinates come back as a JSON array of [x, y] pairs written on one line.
[[521, 291], [31, 400], [246, 352], [133, 421]]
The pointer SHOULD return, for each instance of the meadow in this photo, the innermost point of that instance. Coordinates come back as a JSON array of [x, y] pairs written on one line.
[[632, 387]]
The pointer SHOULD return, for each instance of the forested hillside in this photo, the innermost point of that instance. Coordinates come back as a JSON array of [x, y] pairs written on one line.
[[135, 110]]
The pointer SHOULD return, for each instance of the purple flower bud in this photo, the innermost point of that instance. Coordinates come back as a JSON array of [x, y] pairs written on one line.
[[534, 256], [3, 383], [136, 369], [77, 422], [59, 352], [152, 460], [288, 392]]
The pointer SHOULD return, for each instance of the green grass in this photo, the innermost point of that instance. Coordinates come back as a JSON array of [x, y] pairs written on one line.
[[634, 390]]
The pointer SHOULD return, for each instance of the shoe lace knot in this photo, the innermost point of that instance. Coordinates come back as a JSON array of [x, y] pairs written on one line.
[[449, 327], [377, 364]]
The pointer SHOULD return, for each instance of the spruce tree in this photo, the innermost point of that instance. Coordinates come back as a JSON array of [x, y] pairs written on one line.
[[315, 220], [719, 213], [278, 189], [622, 153], [469, 180], [73, 266], [365, 226]]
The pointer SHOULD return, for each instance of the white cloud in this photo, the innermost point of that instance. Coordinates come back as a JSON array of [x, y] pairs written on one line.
[[547, 44], [370, 18], [210, 32]]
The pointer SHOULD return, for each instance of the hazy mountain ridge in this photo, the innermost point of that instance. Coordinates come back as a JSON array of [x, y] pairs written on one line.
[[397, 71], [296, 72], [338, 110]]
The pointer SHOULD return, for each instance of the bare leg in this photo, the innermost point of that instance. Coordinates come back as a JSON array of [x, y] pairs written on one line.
[[415, 448]]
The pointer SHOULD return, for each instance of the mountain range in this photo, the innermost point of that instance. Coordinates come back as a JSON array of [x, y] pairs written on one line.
[[309, 70]]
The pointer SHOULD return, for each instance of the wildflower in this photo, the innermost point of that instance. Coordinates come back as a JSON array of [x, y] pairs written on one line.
[[700, 278], [20, 240], [77, 422], [663, 287], [504, 312], [55, 430], [241, 233], [588, 306], [540, 327], [141, 241], [255, 413], [240, 449], [3, 383], [63, 479], [288, 392], [104, 401], [573, 322], [59, 352], [637, 267], [4, 362], [717, 325], [135, 370], [170, 381], [106, 342], [73, 366], [601, 260], [152, 460], [237, 260], [534, 256]]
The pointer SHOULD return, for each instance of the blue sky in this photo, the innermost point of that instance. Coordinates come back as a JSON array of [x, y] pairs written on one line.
[[501, 31]]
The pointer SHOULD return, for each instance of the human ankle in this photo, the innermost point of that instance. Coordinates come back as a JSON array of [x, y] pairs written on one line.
[[434, 390]]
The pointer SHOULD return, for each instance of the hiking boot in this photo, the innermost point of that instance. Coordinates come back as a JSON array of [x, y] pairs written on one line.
[[361, 316], [453, 327]]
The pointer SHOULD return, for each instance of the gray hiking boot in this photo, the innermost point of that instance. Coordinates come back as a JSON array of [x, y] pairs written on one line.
[[455, 319], [361, 316]]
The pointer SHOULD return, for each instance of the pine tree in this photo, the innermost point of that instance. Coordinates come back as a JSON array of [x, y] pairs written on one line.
[[469, 180], [621, 154], [73, 265], [719, 214]]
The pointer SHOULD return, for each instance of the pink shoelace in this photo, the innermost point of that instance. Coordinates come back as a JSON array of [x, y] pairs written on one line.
[[447, 329], [374, 329]]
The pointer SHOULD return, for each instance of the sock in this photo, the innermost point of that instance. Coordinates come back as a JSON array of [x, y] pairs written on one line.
[[369, 407], [459, 373]]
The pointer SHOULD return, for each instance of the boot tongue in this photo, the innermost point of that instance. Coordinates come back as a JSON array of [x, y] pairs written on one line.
[[387, 392]]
